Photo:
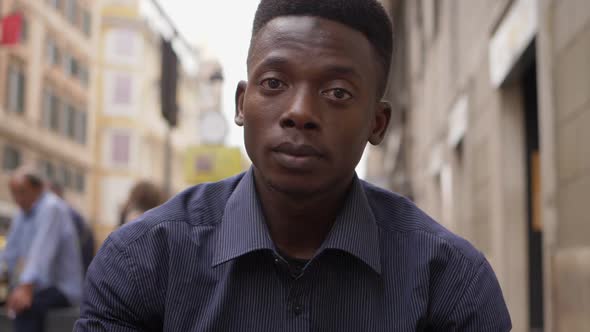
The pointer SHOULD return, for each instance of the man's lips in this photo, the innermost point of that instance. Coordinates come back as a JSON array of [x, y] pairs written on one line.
[[297, 150], [297, 157]]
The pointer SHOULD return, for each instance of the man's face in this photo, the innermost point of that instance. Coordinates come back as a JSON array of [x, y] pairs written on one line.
[[310, 104], [23, 193]]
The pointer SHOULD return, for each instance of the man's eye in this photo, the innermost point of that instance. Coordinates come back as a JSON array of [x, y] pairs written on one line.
[[272, 84], [337, 94]]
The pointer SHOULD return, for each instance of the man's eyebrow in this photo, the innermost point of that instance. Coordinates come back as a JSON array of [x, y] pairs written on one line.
[[273, 61], [342, 70], [331, 69]]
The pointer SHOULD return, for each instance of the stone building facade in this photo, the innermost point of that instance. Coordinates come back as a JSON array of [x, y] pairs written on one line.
[[47, 85], [491, 110]]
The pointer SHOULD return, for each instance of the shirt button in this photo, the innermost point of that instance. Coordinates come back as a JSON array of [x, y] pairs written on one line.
[[297, 309]]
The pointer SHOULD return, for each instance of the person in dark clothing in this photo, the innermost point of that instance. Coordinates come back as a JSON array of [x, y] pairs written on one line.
[[85, 233], [298, 242]]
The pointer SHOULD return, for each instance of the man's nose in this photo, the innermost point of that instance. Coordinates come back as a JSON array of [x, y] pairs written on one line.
[[302, 112]]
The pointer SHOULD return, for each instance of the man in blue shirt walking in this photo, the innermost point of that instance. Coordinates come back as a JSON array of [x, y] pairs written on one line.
[[298, 242], [42, 254]]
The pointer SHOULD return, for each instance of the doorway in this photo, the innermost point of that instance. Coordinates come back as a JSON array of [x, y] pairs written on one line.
[[533, 185]]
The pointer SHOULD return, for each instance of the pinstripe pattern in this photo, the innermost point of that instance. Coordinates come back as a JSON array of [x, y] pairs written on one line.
[[205, 262]]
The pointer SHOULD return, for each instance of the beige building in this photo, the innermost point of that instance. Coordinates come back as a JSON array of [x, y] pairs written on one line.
[[47, 96], [131, 133], [490, 136], [80, 100]]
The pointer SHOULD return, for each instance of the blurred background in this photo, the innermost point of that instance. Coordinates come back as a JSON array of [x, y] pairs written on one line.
[[490, 132]]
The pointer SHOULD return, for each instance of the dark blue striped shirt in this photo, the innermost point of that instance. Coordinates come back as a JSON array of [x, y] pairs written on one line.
[[204, 261]]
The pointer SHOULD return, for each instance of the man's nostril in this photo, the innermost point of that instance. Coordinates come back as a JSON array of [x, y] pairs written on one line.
[[310, 125], [288, 123]]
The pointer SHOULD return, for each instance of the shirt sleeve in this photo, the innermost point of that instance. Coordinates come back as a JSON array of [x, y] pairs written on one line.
[[44, 248], [482, 306], [111, 299], [10, 253]]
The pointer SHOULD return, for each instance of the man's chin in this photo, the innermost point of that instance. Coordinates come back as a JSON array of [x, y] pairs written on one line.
[[293, 188], [296, 187]]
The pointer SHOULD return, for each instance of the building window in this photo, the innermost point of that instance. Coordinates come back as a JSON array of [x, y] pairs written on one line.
[[81, 125], [52, 112], [24, 31], [63, 118], [79, 180], [71, 66], [69, 125], [65, 176], [122, 93], [66, 59], [84, 76], [125, 43], [46, 111], [120, 148], [15, 94], [75, 69], [72, 11], [122, 46], [53, 55], [437, 12], [11, 159], [47, 170], [86, 23], [55, 4]]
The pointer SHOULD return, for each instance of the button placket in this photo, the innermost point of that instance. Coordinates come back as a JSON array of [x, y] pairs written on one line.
[[298, 304], [298, 297], [297, 308]]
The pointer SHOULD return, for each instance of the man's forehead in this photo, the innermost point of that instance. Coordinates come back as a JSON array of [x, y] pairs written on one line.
[[302, 21], [19, 179], [16, 181], [309, 31], [310, 27]]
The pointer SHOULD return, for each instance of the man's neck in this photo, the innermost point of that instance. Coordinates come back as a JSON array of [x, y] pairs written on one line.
[[299, 224], [31, 209]]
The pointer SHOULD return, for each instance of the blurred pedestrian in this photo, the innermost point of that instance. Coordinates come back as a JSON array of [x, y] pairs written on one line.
[[298, 242], [142, 197], [42, 254], [85, 233]]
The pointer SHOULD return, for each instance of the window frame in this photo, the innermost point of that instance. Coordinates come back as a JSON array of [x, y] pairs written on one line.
[[10, 150], [16, 103]]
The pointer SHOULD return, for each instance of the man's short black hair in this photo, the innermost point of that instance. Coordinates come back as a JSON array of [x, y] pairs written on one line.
[[366, 16], [34, 180]]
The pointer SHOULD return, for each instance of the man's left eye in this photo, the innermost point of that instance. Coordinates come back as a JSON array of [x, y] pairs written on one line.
[[338, 94]]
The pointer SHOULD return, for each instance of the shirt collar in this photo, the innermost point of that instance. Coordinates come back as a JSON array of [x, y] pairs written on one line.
[[355, 230], [243, 228]]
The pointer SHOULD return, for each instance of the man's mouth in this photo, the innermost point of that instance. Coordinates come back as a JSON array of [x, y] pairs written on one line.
[[297, 150], [301, 157]]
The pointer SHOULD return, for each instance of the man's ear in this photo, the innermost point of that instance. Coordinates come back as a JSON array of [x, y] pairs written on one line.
[[240, 92], [380, 122]]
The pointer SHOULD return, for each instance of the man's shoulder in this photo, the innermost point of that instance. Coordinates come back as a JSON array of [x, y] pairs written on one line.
[[397, 215], [201, 205], [462, 285], [51, 202]]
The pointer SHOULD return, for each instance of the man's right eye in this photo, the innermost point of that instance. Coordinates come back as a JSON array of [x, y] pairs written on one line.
[[272, 84]]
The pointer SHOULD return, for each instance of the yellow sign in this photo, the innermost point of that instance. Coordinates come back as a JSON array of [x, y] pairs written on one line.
[[211, 163], [128, 9]]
